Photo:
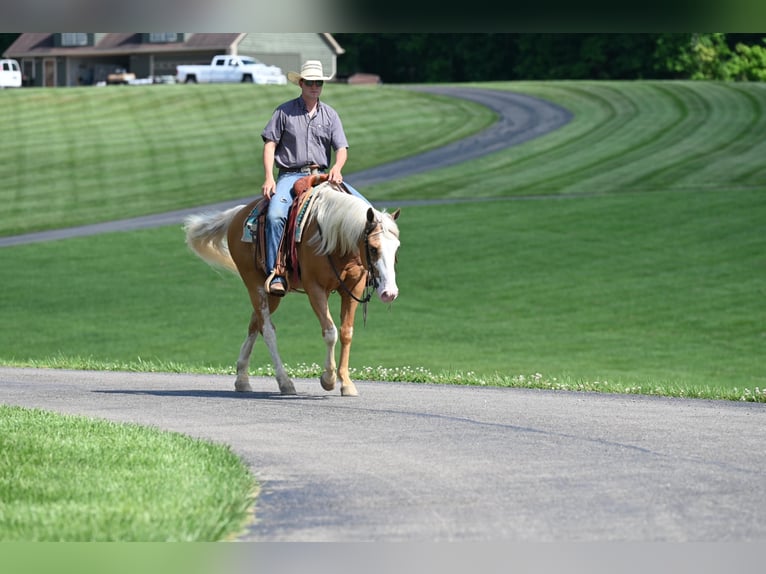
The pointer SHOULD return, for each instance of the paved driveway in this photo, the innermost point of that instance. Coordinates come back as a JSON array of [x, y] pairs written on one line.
[[417, 462]]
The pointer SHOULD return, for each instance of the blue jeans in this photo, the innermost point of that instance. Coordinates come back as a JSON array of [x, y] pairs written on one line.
[[277, 213]]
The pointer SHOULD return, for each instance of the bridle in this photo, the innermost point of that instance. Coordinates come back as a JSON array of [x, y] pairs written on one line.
[[372, 279]]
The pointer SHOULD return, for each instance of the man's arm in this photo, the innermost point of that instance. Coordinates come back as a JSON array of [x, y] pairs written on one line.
[[269, 185], [341, 155]]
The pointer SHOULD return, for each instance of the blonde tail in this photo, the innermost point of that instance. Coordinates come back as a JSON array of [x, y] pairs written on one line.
[[206, 236]]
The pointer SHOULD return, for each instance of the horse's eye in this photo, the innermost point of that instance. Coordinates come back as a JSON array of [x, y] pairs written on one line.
[[374, 251]]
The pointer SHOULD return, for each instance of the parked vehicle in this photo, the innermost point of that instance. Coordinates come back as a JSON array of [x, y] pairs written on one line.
[[10, 74], [228, 68], [120, 76]]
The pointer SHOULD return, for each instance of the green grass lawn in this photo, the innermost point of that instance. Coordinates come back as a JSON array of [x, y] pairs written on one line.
[[66, 478], [643, 268], [657, 290], [622, 253]]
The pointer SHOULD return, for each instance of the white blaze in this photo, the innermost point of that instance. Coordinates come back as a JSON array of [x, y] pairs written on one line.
[[387, 289]]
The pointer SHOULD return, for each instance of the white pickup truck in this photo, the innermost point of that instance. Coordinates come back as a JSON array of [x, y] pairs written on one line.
[[228, 68], [10, 74]]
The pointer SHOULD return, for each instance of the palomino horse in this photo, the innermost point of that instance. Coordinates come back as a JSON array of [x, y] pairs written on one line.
[[345, 241]]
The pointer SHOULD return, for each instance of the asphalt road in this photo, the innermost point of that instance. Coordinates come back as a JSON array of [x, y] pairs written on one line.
[[417, 462]]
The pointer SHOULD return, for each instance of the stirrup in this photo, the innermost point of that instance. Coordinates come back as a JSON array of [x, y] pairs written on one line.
[[279, 292]]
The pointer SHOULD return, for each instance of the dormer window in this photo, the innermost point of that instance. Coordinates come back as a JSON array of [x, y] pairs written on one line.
[[74, 39], [163, 37]]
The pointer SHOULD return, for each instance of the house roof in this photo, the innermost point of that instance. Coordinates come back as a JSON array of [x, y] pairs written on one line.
[[30, 41], [40, 44], [131, 42]]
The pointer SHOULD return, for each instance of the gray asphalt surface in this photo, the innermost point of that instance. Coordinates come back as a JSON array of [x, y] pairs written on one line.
[[416, 462], [413, 462]]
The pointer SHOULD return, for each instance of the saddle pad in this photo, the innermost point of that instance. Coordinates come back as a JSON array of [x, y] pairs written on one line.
[[302, 203], [251, 223], [303, 212]]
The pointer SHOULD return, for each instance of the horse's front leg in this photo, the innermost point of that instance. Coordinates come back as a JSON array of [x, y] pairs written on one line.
[[347, 313], [319, 302]]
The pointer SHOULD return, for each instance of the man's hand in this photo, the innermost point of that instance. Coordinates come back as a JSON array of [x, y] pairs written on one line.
[[335, 175], [269, 187]]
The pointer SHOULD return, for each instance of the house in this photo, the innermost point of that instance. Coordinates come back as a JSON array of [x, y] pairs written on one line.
[[73, 59]]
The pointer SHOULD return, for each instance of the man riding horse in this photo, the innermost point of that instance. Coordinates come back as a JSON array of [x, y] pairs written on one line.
[[299, 138]]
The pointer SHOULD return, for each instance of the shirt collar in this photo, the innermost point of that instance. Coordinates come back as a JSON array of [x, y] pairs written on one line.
[[302, 105]]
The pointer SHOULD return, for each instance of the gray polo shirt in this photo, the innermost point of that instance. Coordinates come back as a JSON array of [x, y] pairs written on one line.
[[302, 140]]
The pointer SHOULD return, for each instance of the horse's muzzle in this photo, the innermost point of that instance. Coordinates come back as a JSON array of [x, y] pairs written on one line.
[[387, 296]]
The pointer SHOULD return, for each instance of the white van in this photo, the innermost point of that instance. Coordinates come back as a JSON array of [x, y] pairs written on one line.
[[10, 74]]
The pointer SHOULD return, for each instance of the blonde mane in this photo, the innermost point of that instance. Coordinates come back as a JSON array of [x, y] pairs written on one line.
[[342, 219]]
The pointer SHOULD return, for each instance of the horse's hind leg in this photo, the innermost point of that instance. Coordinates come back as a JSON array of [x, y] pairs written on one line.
[[286, 386], [242, 384], [260, 322]]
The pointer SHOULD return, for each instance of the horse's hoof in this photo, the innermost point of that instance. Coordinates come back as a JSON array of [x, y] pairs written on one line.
[[287, 388], [328, 381], [243, 387], [349, 391]]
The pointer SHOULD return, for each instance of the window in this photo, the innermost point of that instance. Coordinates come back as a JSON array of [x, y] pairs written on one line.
[[74, 39], [29, 68], [163, 37]]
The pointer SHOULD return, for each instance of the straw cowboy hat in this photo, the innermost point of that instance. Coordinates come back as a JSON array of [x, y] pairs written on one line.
[[311, 70]]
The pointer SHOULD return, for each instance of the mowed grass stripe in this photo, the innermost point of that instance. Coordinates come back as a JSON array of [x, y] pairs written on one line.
[[656, 136], [512, 171], [596, 118], [727, 123], [746, 146], [641, 124], [625, 136], [397, 124], [85, 154], [654, 127], [715, 124]]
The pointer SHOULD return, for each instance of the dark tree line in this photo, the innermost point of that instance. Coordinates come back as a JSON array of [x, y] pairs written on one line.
[[456, 57], [403, 58], [6, 39]]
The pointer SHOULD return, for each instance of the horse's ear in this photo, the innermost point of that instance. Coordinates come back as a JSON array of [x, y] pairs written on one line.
[[396, 213], [370, 215]]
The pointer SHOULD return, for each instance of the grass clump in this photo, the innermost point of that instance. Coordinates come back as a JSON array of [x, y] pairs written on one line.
[[410, 374], [67, 478]]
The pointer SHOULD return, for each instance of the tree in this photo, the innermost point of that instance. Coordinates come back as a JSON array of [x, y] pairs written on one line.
[[748, 63], [454, 57], [6, 39]]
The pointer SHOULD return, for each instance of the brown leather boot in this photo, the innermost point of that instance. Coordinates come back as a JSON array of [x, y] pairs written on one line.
[[277, 287]]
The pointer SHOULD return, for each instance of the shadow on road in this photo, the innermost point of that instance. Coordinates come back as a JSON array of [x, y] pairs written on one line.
[[202, 394]]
